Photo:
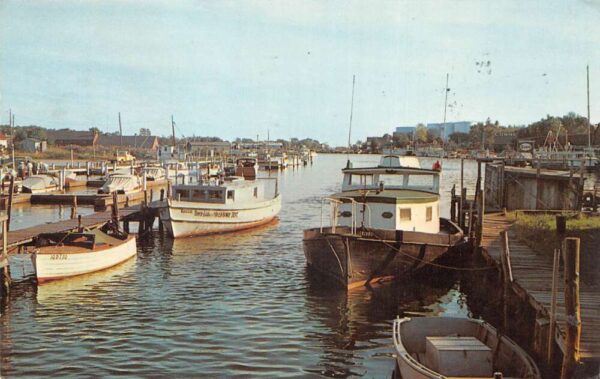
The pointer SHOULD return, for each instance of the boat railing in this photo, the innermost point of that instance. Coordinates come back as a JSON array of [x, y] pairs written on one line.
[[334, 204]]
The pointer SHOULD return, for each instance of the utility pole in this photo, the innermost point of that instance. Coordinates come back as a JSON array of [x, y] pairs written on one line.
[[446, 90], [351, 111], [588, 108], [120, 130]]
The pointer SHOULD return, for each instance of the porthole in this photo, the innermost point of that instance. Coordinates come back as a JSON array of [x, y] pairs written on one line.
[[387, 215]]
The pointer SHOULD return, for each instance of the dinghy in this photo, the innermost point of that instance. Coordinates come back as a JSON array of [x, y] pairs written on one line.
[[121, 184], [450, 347], [63, 255], [40, 184]]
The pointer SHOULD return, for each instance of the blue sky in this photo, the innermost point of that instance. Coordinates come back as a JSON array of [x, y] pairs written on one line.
[[240, 68]]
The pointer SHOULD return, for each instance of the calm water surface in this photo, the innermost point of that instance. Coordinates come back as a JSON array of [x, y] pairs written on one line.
[[228, 305]]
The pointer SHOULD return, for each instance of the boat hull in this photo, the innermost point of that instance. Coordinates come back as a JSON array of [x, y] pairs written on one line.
[[368, 256], [184, 219], [56, 266]]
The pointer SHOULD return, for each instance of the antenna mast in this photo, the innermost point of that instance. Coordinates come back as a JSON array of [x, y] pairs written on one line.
[[588, 108], [351, 111], [120, 130], [446, 90], [173, 131]]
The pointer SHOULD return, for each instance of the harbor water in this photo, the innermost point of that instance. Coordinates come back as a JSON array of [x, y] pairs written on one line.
[[228, 305]]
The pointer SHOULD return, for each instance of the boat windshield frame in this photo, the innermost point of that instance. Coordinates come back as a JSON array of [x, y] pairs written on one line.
[[370, 179]]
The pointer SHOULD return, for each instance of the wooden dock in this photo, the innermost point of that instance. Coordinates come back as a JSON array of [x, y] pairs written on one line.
[[532, 282]]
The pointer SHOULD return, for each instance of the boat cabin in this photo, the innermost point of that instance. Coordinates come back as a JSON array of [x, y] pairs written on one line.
[[389, 196], [233, 190]]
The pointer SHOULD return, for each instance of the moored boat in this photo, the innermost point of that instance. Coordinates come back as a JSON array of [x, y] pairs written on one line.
[[68, 254], [384, 223], [39, 184], [153, 173], [221, 206], [443, 347], [121, 184]]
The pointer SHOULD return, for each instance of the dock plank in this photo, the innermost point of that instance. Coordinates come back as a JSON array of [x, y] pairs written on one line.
[[532, 272]]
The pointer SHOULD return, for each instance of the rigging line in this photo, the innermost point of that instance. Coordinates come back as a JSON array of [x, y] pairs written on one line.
[[430, 263]]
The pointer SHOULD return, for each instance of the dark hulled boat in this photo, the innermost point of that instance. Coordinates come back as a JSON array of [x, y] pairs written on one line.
[[384, 223]]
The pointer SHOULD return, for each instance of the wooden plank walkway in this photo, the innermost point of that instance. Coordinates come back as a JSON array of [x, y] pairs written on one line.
[[532, 274], [22, 236]]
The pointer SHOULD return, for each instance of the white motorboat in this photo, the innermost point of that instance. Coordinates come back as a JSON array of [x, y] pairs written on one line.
[[121, 184], [153, 173], [39, 184], [221, 206], [444, 347], [63, 255]]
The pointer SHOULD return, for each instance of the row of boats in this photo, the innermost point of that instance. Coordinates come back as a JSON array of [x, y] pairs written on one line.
[[384, 223]]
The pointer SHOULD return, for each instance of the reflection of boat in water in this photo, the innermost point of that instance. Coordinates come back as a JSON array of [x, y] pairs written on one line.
[[351, 328], [440, 347], [62, 255], [384, 223], [58, 290]]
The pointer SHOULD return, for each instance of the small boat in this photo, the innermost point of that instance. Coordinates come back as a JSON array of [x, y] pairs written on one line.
[[121, 184], [221, 206], [39, 184], [384, 223], [246, 168], [63, 255], [153, 173], [444, 347]]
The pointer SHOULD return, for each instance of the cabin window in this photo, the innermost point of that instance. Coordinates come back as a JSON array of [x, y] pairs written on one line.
[[230, 194], [255, 191], [429, 214], [215, 195], [198, 195], [387, 215], [184, 194], [405, 214]]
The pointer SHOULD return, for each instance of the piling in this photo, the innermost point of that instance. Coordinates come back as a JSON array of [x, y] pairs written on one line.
[[11, 192], [4, 266], [74, 208], [552, 329], [572, 308]]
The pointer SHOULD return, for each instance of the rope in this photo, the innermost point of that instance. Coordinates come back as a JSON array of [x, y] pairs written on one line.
[[430, 263]]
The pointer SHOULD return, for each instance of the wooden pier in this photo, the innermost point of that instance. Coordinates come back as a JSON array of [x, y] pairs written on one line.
[[530, 278]]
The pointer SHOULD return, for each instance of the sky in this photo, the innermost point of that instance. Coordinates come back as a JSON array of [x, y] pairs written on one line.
[[246, 68]]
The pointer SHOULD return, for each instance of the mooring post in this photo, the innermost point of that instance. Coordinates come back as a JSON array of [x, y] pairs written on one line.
[[11, 191], [5, 268], [453, 203], [115, 208], [74, 208], [552, 328], [162, 195], [572, 308]]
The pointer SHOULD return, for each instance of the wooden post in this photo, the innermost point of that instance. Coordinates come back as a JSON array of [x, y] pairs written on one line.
[[552, 329], [453, 203], [4, 266], [507, 278], [74, 208], [115, 208], [11, 191], [162, 194], [572, 308]]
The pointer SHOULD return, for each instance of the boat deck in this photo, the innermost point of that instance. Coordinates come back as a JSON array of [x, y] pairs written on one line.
[[532, 273]]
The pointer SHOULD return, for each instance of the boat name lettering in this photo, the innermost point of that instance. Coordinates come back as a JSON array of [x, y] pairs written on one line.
[[186, 211], [223, 214], [61, 257]]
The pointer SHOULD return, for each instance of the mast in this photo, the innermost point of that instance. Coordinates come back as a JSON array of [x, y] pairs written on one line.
[[588, 108], [445, 106], [351, 111], [173, 132], [120, 130]]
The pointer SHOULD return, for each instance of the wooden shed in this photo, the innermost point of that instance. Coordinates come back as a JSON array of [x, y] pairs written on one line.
[[529, 188]]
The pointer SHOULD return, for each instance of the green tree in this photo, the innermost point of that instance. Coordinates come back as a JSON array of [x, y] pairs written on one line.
[[95, 130], [421, 133]]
